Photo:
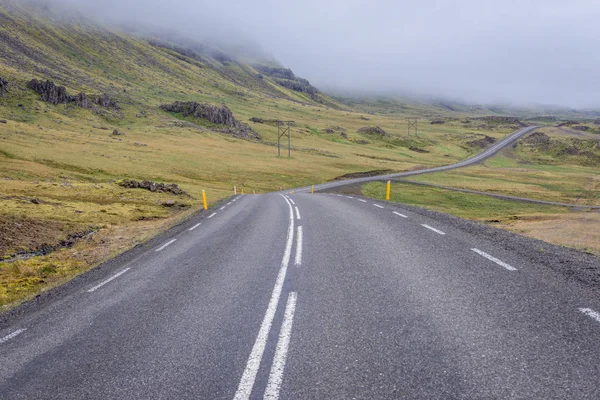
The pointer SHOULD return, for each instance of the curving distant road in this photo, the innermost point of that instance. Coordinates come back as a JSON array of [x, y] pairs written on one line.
[[507, 141]]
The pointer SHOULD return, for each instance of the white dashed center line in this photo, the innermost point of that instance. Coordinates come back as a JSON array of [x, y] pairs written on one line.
[[494, 259], [212, 215], [12, 335], [591, 313], [297, 213], [400, 215], [350, 197], [115, 276], [433, 229], [281, 351], [292, 201], [195, 226], [378, 206], [298, 260], [170, 242]]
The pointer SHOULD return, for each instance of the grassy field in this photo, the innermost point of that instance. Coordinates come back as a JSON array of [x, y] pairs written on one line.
[[60, 165]]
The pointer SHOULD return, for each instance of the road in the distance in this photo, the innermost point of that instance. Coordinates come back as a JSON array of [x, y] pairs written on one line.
[[507, 141], [312, 297]]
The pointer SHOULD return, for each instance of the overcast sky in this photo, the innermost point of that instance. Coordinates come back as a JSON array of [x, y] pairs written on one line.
[[525, 51]]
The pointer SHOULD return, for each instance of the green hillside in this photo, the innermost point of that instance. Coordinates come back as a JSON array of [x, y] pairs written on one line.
[[66, 154]]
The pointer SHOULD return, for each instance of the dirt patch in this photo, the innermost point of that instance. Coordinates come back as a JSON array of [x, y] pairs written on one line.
[[20, 236], [481, 143], [365, 174], [372, 130]]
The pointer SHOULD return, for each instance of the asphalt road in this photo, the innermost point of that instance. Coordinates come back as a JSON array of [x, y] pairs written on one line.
[[313, 297], [507, 141]]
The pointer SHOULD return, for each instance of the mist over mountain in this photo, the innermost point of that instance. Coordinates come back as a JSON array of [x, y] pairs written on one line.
[[516, 52]]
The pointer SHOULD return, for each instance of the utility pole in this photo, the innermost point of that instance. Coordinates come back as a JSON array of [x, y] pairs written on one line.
[[284, 128], [413, 124]]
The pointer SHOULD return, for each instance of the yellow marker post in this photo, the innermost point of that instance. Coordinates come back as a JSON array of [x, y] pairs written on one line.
[[204, 199], [235, 190], [253, 191], [312, 190], [389, 189]]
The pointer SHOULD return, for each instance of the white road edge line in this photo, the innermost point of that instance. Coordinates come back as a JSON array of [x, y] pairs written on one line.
[[400, 215], [229, 203], [212, 215], [195, 226], [339, 195], [433, 229], [297, 213], [14, 335], [377, 205], [244, 389], [494, 259], [299, 247], [222, 208], [591, 313], [115, 276], [350, 197], [364, 201], [164, 246], [281, 351]]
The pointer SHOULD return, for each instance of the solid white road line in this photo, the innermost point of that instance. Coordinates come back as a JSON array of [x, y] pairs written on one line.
[[244, 389], [433, 229], [281, 351], [292, 201], [400, 215], [494, 259], [195, 226], [299, 247], [212, 215], [115, 276], [170, 242], [18, 332], [364, 201], [591, 313], [377, 205], [297, 213]]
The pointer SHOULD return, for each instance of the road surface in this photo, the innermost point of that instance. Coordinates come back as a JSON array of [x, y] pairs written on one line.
[[311, 297], [507, 141]]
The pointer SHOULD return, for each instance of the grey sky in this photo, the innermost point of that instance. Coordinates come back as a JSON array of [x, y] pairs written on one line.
[[526, 51]]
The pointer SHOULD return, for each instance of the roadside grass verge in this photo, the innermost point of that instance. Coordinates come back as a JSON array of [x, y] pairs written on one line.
[[557, 225]]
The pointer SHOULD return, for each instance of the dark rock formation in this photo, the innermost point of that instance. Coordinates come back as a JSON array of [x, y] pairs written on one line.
[[3, 121], [372, 130], [437, 122], [153, 187], [257, 120], [49, 92], [3, 85], [597, 122], [581, 128], [213, 114], [117, 133]]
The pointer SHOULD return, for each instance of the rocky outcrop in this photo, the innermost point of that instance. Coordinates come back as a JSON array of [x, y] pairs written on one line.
[[153, 187], [597, 122], [214, 114], [49, 92], [3, 85], [501, 120], [372, 130], [53, 94]]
